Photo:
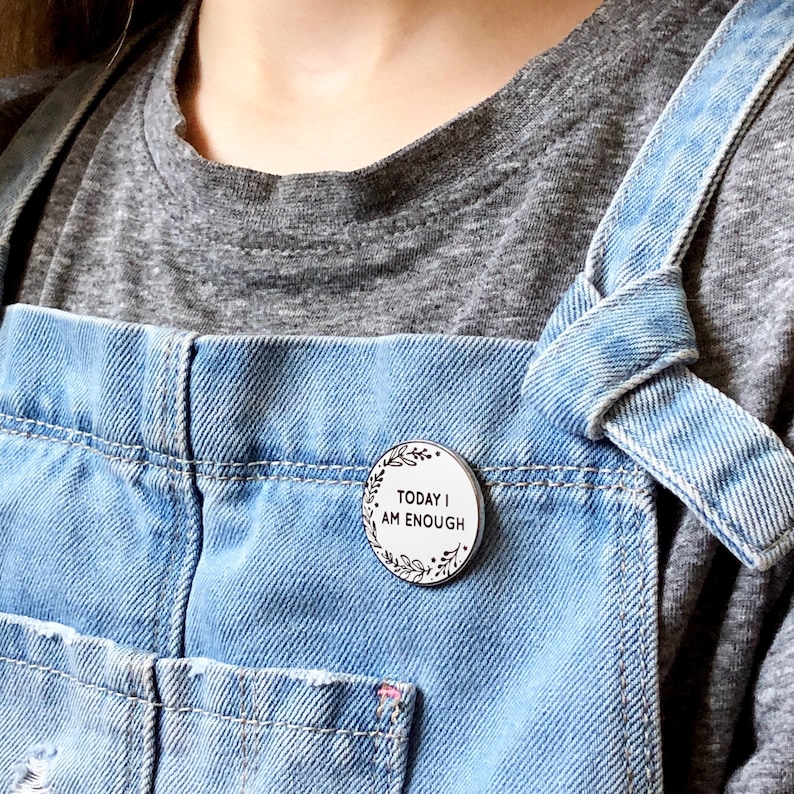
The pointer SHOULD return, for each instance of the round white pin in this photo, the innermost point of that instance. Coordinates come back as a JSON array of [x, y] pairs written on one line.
[[423, 512]]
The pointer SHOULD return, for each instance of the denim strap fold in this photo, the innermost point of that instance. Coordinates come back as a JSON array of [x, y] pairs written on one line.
[[612, 359]]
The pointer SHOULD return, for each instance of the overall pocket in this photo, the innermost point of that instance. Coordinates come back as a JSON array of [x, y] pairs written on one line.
[[85, 715]]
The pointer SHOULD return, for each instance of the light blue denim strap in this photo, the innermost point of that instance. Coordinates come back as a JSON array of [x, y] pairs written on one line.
[[651, 221], [612, 359], [730, 469], [37, 144]]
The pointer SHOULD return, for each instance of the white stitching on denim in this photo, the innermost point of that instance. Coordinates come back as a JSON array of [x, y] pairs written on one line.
[[254, 762], [540, 467], [378, 715], [389, 770], [642, 585], [179, 543], [149, 738], [180, 472], [173, 458], [645, 670], [278, 477], [548, 484], [40, 436], [252, 464], [622, 652], [158, 617], [124, 459], [269, 723], [709, 511], [202, 712], [185, 503], [646, 709], [128, 755], [244, 759], [296, 463], [595, 419], [182, 399], [391, 756], [163, 393]]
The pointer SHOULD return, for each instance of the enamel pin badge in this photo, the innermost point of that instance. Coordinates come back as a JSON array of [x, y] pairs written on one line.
[[423, 512]]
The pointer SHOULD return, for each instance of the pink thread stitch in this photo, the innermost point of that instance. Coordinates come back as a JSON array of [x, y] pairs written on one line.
[[389, 691]]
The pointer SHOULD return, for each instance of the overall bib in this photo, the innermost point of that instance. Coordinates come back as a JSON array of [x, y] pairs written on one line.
[[188, 599]]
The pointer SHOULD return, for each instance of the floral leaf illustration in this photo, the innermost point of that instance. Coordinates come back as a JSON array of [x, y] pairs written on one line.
[[403, 456], [448, 563]]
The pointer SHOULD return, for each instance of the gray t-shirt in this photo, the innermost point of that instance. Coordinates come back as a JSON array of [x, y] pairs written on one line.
[[478, 227]]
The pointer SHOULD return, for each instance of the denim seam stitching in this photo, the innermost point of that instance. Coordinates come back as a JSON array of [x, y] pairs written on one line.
[[389, 770], [185, 497], [203, 712], [235, 464], [378, 715], [296, 463], [619, 486], [278, 477], [178, 542], [711, 512], [174, 538], [128, 737], [243, 749], [392, 778], [149, 737], [644, 667], [541, 467], [621, 656], [254, 763], [160, 611], [173, 458], [140, 462], [182, 398]]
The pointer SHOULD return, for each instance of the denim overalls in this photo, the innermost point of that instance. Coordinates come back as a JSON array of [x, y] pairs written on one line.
[[189, 601]]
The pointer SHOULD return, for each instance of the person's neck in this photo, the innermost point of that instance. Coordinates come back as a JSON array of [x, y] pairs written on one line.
[[309, 85]]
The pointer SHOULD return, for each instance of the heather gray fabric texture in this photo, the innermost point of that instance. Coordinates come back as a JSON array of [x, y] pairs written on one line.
[[478, 228]]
